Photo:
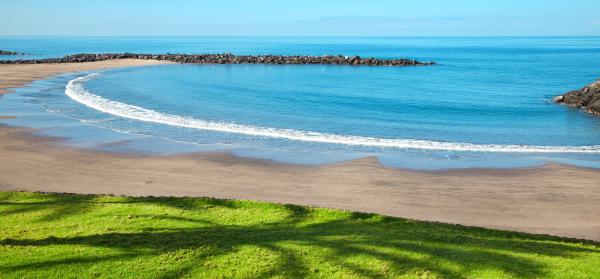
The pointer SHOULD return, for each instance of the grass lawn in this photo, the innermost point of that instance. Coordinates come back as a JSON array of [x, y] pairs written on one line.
[[87, 236]]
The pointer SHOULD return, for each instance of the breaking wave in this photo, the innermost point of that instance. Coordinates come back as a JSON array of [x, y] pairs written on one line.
[[76, 91]]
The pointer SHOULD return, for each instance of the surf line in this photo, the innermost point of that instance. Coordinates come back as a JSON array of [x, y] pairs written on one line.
[[76, 91]]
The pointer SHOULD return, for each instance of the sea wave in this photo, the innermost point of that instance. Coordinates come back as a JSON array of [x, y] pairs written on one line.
[[75, 90]]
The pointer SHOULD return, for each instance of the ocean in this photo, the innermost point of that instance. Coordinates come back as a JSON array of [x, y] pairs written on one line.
[[486, 103]]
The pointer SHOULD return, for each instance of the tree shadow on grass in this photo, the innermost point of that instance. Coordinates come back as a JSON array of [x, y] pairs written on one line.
[[401, 245], [57, 206], [53, 207]]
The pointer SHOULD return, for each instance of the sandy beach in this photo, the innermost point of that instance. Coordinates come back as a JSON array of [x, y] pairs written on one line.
[[19, 75], [554, 199]]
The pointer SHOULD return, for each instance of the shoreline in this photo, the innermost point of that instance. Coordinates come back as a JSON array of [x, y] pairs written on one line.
[[17, 75], [553, 199]]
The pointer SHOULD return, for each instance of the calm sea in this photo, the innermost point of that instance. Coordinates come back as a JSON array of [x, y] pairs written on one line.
[[486, 104]]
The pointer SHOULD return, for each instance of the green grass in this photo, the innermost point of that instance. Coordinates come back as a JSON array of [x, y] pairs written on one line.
[[86, 236]]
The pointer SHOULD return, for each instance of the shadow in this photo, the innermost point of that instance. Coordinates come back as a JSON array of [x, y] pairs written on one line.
[[53, 208], [353, 244], [296, 214], [63, 205], [174, 218]]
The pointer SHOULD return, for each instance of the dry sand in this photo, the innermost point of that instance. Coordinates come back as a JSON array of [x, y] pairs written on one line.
[[554, 199]]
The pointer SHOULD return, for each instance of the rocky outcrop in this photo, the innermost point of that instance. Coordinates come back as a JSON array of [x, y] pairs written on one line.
[[6, 52], [587, 98], [228, 58]]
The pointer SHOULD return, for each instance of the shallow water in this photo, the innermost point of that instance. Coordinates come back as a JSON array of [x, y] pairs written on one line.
[[487, 103]]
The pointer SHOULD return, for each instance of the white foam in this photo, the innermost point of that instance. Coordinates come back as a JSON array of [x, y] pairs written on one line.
[[76, 91]]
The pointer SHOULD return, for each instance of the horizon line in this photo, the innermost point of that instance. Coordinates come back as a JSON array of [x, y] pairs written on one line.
[[300, 36]]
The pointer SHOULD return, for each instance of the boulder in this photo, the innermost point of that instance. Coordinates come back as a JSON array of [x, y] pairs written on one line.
[[587, 98]]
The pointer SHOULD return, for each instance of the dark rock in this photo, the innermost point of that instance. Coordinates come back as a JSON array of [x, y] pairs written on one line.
[[228, 58], [6, 52], [559, 99], [587, 98]]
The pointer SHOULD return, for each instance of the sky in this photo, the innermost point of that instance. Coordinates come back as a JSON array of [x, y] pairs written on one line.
[[300, 18]]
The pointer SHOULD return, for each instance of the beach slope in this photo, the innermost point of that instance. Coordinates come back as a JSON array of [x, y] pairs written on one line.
[[554, 199]]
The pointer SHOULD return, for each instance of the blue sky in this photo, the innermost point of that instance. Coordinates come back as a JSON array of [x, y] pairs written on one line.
[[301, 18]]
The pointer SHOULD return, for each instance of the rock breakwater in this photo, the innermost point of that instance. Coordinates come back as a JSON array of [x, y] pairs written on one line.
[[228, 58], [7, 52]]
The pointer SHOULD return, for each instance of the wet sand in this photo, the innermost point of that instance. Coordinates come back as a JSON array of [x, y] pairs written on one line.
[[554, 199]]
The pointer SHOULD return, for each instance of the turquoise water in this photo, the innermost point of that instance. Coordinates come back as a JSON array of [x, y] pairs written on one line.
[[486, 104]]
